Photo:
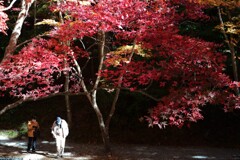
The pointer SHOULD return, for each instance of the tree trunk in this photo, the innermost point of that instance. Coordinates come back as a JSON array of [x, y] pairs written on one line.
[[120, 79], [18, 27], [67, 101], [103, 129], [113, 108], [91, 95], [232, 50]]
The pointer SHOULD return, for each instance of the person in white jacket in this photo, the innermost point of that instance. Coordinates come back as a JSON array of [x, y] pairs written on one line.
[[60, 131]]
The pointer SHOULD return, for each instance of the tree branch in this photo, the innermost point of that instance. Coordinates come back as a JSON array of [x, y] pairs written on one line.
[[120, 79], [18, 28], [232, 50], [79, 70], [145, 94], [102, 46], [23, 100], [9, 7], [29, 40]]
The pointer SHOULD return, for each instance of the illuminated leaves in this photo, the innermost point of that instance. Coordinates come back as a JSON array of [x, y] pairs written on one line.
[[49, 22], [227, 3], [188, 70], [32, 72], [3, 19], [121, 55], [231, 28]]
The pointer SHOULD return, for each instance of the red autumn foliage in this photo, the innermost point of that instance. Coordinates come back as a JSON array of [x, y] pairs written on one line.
[[188, 69], [3, 19], [33, 71]]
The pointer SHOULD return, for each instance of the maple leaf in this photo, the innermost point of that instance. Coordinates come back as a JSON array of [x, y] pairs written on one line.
[[3, 19], [50, 22]]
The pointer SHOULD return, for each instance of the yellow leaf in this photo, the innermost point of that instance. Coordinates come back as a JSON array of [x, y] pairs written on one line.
[[49, 22]]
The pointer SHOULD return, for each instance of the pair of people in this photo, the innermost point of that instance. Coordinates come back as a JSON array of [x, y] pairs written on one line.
[[59, 130]]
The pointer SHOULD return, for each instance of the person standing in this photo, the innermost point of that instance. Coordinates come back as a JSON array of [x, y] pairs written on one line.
[[33, 129], [60, 131]]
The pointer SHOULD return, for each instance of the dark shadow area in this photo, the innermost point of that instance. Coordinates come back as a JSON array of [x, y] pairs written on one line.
[[217, 129]]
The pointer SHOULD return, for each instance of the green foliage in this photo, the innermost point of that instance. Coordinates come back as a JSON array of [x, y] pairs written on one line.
[[22, 130], [9, 133], [14, 133]]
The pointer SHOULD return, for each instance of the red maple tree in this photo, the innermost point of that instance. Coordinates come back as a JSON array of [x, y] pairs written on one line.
[[139, 48]]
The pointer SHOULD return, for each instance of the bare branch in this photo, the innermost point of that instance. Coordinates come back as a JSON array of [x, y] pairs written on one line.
[[148, 95], [23, 100], [9, 7], [102, 47], [29, 40], [120, 79]]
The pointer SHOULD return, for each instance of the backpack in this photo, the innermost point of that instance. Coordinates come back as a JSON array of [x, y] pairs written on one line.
[[36, 132]]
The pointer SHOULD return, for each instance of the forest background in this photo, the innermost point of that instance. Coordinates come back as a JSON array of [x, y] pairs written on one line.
[[130, 114]]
